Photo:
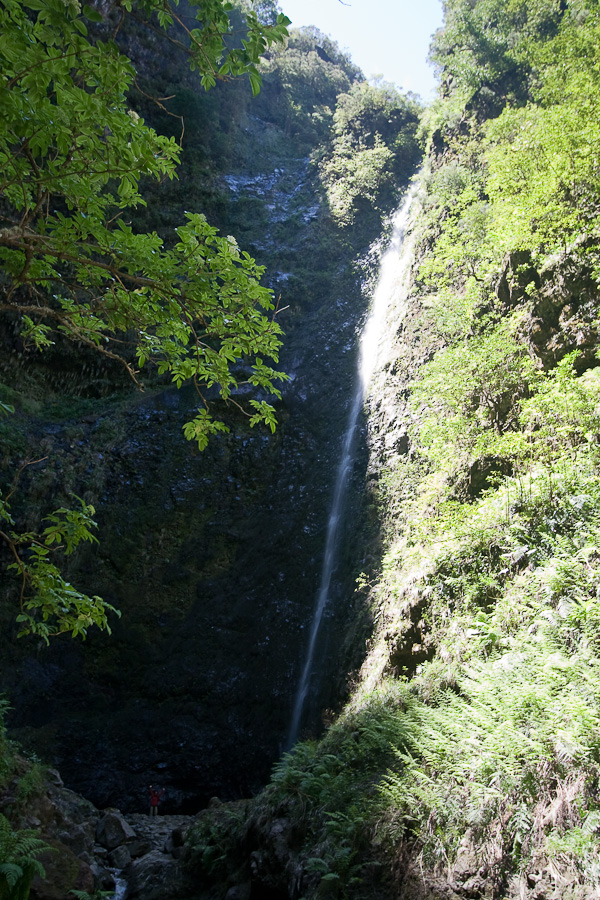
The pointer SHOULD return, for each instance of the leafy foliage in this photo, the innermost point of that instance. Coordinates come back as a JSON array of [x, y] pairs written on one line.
[[20, 849], [18, 860], [472, 387], [6, 749], [214, 842], [97, 895], [305, 79], [374, 149], [48, 604], [72, 156], [502, 751], [484, 49]]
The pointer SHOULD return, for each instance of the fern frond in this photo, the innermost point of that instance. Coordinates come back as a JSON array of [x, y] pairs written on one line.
[[11, 872]]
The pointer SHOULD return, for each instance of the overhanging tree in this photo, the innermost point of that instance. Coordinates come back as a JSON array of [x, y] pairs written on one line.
[[72, 153]]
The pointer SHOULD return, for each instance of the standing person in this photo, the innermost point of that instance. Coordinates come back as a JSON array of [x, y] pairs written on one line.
[[155, 795]]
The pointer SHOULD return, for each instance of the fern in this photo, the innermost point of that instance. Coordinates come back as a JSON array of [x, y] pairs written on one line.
[[520, 826], [19, 851], [97, 895], [11, 872]]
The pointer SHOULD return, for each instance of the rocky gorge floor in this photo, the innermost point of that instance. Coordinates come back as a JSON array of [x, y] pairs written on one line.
[[96, 851]]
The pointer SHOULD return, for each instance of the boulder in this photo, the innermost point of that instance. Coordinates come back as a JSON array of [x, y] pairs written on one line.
[[103, 878], [175, 841], [120, 857], [64, 873], [156, 876], [239, 892], [79, 838], [113, 830], [139, 848]]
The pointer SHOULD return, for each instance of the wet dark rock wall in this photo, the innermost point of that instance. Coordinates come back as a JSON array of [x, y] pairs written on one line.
[[213, 559]]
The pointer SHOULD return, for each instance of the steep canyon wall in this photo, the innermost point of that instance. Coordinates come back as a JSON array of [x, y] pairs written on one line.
[[212, 558]]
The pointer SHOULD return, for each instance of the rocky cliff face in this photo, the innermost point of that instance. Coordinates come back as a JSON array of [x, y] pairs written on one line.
[[213, 559]]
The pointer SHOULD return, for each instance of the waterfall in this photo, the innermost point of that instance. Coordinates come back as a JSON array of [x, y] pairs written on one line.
[[392, 274]]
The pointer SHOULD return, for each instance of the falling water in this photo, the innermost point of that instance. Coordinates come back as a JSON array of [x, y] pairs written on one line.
[[120, 889], [392, 273]]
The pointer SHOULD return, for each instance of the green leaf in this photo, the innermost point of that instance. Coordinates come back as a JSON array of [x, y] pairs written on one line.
[[255, 83], [92, 14]]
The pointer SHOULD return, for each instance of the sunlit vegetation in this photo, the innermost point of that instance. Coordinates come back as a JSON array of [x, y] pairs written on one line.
[[502, 758], [374, 150]]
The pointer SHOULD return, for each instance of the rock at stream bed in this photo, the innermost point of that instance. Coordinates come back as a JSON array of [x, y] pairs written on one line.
[[155, 876], [113, 830]]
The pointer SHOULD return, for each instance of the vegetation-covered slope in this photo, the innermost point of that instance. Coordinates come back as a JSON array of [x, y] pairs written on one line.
[[467, 762]]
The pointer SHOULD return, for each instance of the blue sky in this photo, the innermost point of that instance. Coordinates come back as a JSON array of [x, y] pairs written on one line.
[[384, 37]]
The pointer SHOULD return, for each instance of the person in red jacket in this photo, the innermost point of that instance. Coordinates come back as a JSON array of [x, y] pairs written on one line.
[[155, 795]]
